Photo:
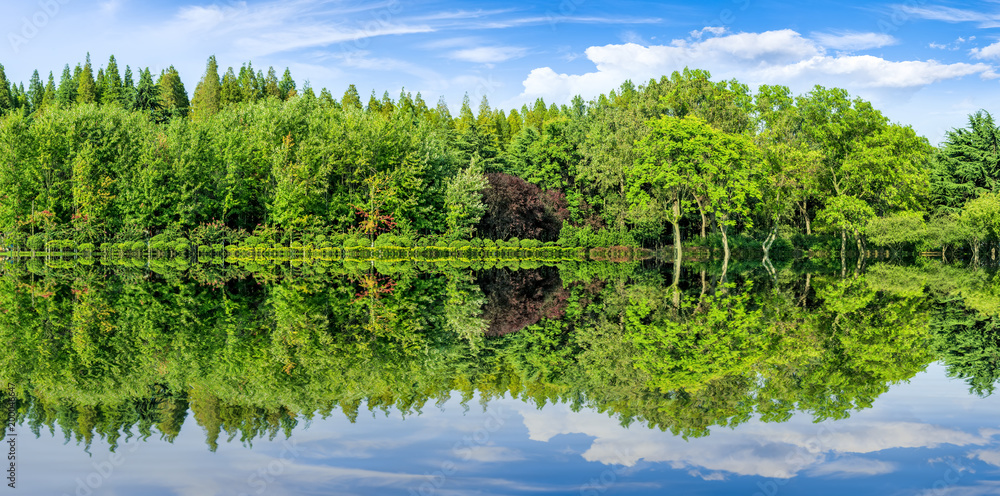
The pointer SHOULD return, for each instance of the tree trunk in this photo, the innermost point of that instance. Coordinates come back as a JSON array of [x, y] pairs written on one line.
[[677, 229], [725, 242], [723, 227], [804, 208], [704, 220], [843, 254]]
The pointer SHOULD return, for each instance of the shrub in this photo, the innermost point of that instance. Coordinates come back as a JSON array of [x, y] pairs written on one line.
[[36, 243], [86, 248]]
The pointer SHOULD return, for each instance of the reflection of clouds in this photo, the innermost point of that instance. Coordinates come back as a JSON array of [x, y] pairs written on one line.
[[851, 466], [755, 448], [987, 456], [489, 454], [981, 489]]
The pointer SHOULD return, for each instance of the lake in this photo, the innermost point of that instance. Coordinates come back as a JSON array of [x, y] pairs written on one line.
[[500, 377]]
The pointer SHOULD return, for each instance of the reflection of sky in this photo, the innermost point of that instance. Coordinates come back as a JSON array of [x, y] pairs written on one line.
[[927, 437]]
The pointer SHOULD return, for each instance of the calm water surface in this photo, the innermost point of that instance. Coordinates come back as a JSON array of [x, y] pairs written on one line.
[[590, 379]]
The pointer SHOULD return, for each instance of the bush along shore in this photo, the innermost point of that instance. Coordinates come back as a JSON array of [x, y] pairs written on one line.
[[338, 247]]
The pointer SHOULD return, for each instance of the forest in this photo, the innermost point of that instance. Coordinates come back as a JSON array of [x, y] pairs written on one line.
[[106, 162], [112, 348]]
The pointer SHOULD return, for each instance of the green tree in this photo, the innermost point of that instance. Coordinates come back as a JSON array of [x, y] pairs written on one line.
[[982, 220], [66, 94], [6, 99], [230, 93], [86, 87], [287, 85], [36, 91], [49, 97], [271, 89], [113, 90], [173, 96], [968, 164], [207, 98], [147, 93], [351, 98], [464, 202]]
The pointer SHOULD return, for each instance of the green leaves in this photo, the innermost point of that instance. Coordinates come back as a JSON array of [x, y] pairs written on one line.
[[464, 202]]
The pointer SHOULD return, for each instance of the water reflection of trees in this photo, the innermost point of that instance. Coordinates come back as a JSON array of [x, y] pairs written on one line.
[[117, 352]]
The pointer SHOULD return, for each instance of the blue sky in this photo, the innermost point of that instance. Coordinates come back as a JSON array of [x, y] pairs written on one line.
[[929, 437], [927, 63]]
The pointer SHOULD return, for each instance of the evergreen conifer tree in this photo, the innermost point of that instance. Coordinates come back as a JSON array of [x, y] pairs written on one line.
[[6, 95], [351, 98], [287, 85], [207, 95], [66, 94], [147, 93], [173, 96], [86, 86], [49, 97]]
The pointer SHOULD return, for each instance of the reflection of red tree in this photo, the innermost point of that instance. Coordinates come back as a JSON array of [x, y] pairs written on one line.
[[374, 286], [517, 299]]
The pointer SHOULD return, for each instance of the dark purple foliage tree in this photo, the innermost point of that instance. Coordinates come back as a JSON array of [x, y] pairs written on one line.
[[516, 208]]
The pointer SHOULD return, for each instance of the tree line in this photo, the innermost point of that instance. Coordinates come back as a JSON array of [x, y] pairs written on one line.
[[680, 158], [105, 350]]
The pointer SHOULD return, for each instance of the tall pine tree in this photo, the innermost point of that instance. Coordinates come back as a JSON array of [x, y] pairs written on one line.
[[36, 92], [230, 88], [86, 86], [172, 93], [271, 89], [351, 99], [6, 95], [207, 95], [113, 90], [147, 93], [287, 85], [66, 94], [49, 97]]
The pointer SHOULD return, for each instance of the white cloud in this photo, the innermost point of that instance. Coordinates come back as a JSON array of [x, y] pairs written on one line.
[[991, 457], [488, 55], [853, 466], [771, 57], [713, 30], [491, 454], [756, 448], [988, 52], [854, 41]]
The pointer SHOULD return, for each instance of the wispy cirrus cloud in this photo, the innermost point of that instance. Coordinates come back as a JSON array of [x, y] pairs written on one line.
[[952, 14]]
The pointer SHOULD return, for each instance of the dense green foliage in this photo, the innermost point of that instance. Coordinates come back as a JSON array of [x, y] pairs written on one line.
[[251, 348], [109, 159]]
